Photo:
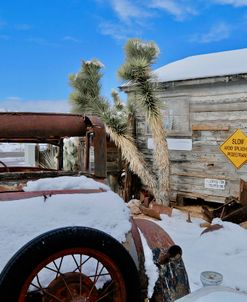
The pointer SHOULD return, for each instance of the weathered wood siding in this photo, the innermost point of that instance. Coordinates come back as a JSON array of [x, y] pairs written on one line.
[[206, 111], [113, 163]]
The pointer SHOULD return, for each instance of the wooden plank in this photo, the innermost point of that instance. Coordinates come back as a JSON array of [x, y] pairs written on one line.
[[208, 170], [209, 153], [176, 133], [218, 107], [200, 175], [227, 117], [210, 127], [199, 190]]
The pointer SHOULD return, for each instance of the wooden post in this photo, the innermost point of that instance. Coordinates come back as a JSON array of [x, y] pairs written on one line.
[[60, 155], [99, 142]]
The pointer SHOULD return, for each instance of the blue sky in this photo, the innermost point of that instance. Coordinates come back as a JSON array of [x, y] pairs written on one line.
[[43, 41]]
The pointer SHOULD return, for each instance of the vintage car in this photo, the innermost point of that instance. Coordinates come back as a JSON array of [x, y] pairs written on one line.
[[80, 263]]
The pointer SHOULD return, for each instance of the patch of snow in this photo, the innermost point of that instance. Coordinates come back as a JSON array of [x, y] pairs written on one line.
[[22, 220], [63, 183], [224, 297], [202, 66], [223, 251], [150, 268], [215, 293], [11, 147]]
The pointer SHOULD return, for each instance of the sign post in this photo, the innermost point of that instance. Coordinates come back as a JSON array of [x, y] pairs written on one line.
[[235, 148]]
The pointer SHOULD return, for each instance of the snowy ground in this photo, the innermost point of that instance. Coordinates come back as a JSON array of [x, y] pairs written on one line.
[[12, 154], [11, 147], [224, 250]]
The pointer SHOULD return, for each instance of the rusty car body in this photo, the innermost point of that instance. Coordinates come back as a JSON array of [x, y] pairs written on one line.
[[124, 265]]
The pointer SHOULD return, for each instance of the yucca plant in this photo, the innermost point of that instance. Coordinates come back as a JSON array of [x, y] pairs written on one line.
[[137, 69], [86, 98]]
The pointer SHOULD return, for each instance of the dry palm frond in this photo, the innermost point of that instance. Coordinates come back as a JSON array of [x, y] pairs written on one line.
[[48, 158], [134, 157]]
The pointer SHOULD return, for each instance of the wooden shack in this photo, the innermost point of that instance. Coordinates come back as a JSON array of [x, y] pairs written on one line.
[[205, 99]]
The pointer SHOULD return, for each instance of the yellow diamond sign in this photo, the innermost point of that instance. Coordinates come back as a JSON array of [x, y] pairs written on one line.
[[235, 148]]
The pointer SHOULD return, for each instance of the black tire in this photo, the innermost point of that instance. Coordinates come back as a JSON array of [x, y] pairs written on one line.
[[24, 265]]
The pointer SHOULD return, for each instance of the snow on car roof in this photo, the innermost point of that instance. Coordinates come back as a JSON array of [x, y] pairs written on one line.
[[206, 65], [22, 220]]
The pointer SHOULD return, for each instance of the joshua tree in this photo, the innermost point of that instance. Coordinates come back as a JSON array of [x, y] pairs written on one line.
[[137, 69], [86, 98]]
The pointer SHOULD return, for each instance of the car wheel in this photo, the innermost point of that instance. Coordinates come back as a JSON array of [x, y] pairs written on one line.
[[76, 264]]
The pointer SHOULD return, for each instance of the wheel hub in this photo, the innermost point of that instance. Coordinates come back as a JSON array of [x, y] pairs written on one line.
[[71, 287]]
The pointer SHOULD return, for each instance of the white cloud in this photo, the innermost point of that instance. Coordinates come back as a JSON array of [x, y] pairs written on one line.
[[71, 39], [127, 10], [137, 9], [116, 31], [132, 17], [235, 3], [135, 16], [19, 105], [218, 32], [178, 8]]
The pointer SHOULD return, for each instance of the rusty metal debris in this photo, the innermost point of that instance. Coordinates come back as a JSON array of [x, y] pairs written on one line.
[[211, 228], [232, 211], [172, 283], [40, 127], [6, 196]]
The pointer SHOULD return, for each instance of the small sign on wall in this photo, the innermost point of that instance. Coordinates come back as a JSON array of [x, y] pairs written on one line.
[[235, 148], [217, 184], [182, 144]]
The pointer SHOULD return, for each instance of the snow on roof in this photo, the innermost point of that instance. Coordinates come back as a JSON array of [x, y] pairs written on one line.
[[203, 66]]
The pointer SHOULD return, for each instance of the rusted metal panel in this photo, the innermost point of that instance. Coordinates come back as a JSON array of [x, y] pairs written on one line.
[[6, 196], [17, 174], [21, 125], [96, 138], [20, 169], [60, 155], [212, 228], [173, 282], [141, 258], [154, 234], [243, 192], [99, 152]]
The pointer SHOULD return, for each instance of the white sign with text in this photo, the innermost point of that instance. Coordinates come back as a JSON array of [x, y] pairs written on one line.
[[217, 184], [183, 144]]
